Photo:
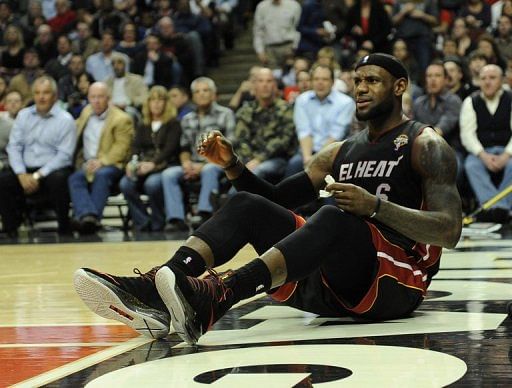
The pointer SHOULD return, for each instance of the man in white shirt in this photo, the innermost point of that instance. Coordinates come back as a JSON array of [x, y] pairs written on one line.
[[485, 131], [275, 30]]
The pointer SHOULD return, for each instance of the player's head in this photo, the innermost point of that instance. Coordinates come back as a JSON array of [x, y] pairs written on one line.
[[379, 83]]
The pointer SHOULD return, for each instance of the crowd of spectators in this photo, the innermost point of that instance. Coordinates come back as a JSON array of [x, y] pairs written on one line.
[[99, 96]]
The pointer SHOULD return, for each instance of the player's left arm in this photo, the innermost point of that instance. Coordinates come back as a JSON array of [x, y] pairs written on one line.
[[441, 222]]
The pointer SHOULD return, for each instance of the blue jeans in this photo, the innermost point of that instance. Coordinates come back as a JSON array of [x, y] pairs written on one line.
[[173, 195], [295, 165], [90, 198], [271, 170], [152, 187], [480, 178]]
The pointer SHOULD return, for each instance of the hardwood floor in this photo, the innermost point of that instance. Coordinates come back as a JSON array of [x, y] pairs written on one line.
[[460, 336]]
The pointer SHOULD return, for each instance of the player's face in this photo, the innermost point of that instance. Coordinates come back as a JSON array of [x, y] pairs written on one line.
[[373, 91]]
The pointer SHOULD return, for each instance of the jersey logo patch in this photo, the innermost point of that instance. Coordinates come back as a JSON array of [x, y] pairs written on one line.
[[400, 141]]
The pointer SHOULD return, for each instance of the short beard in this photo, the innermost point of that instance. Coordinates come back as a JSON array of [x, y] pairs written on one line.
[[381, 110]]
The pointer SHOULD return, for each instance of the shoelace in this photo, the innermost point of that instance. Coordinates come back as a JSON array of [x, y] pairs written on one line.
[[148, 276], [219, 279]]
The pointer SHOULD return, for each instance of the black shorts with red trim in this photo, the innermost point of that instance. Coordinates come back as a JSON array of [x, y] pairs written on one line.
[[397, 290]]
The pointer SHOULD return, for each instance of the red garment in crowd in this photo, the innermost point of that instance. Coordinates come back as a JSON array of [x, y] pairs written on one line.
[[61, 23]]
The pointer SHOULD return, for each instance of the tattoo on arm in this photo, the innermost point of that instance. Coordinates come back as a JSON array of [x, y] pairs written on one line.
[[440, 224], [321, 164]]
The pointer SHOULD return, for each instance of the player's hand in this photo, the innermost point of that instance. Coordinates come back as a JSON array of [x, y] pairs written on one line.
[[216, 148], [352, 198]]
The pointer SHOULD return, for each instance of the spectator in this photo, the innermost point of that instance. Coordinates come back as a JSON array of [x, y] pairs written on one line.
[[198, 31], [275, 30], [129, 43], [460, 33], [456, 82], [7, 18], [299, 64], [68, 84], [326, 56], [40, 149], [504, 37], [312, 27], [413, 22], [85, 43], [449, 47], [368, 23], [179, 98], [437, 107], [265, 134], [31, 21], [64, 21], [321, 116], [104, 137], [107, 19], [178, 46], [477, 14], [488, 47], [45, 44], [77, 100], [155, 66], [157, 144], [12, 55], [58, 67], [30, 72], [290, 93], [13, 105], [440, 108], [402, 53], [128, 90], [207, 116], [477, 60], [245, 91], [485, 129], [99, 65]]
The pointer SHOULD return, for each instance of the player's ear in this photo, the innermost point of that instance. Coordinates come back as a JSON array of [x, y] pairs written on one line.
[[400, 86]]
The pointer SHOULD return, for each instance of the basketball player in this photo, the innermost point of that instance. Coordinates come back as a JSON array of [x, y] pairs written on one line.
[[371, 256]]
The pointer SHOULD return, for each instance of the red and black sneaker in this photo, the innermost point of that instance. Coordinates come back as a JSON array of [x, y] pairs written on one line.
[[133, 300], [195, 304]]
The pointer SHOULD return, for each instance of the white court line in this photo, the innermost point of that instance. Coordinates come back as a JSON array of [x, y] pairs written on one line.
[[83, 363], [93, 359]]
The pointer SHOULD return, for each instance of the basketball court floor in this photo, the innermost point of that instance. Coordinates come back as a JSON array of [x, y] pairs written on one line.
[[460, 335]]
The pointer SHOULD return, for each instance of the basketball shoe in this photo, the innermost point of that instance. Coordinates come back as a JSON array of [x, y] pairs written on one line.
[[132, 300], [194, 304]]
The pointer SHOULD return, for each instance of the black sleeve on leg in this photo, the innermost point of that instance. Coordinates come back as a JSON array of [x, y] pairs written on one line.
[[291, 192]]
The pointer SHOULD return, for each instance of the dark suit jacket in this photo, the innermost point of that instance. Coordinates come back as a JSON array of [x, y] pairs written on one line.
[[163, 68]]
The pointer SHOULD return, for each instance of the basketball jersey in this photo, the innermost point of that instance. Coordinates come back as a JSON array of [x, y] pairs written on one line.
[[383, 167]]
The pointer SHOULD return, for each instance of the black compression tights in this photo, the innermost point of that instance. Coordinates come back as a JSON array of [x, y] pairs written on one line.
[[338, 242], [245, 218]]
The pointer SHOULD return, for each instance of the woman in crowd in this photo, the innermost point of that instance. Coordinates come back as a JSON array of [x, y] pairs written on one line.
[[460, 32], [12, 56], [156, 146], [368, 21], [487, 46]]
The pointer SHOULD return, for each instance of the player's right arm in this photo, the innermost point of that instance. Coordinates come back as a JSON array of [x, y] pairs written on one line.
[[292, 192]]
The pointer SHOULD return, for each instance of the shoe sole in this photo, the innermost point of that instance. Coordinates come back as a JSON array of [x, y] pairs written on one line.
[[110, 302], [182, 313]]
